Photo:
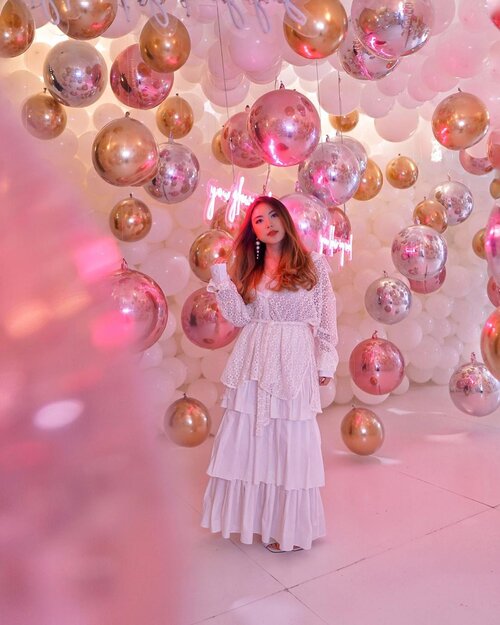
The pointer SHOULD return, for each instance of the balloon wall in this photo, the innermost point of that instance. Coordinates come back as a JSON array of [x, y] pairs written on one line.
[[142, 106]]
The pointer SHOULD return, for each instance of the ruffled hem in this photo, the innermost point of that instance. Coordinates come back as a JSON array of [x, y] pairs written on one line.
[[289, 517]]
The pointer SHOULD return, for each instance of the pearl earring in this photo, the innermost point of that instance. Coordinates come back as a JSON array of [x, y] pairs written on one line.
[[257, 249]]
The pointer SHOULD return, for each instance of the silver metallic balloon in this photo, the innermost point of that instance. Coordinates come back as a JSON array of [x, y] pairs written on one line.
[[311, 218], [237, 145], [474, 390], [492, 242], [430, 284], [456, 199], [177, 175], [361, 63], [388, 300], [331, 173], [75, 73], [419, 252]]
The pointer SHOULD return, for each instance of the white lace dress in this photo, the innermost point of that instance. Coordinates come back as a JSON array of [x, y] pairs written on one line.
[[266, 467]]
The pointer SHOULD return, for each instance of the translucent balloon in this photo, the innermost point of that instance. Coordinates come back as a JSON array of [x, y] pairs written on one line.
[[388, 300], [474, 390], [376, 366]]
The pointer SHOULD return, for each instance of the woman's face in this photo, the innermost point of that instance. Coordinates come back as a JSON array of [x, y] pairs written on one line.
[[267, 224]]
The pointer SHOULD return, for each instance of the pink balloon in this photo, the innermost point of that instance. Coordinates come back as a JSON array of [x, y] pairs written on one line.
[[430, 284], [251, 48], [418, 89], [492, 242], [311, 218], [478, 166], [419, 252], [494, 148], [350, 92], [393, 84], [361, 63], [376, 366], [221, 66], [222, 98], [475, 16], [493, 291], [127, 16], [398, 125], [236, 143], [435, 77], [374, 103], [461, 53], [203, 323], [444, 12]]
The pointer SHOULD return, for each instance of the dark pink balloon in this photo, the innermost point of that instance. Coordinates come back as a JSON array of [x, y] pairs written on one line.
[[236, 143], [376, 366], [493, 290], [430, 284], [492, 242], [478, 166], [203, 323]]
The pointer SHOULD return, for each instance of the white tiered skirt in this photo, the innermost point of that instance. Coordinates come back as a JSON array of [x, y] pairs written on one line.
[[266, 484]]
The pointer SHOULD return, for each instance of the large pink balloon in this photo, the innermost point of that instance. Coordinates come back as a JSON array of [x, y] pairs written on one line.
[[419, 252], [376, 366], [203, 323], [492, 242], [311, 218], [236, 143]]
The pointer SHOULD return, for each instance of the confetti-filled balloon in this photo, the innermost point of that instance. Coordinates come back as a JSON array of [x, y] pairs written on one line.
[[370, 183], [490, 343], [376, 366], [388, 300], [237, 145], [401, 172], [431, 213], [460, 121], [311, 218], [362, 431], [165, 47], [419, 252], [43, 117], [456, 199], [83, 19], [130, 219], [177, 175], [203, 323], [360, 63], [430, 284], [474, 390], [17, 29], [206, 249], [187, 422]]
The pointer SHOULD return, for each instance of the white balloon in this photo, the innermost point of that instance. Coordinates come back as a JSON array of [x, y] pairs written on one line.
[[327, 393], [162, 223], [367, 398], [403, 387], [193, 367], [203, 391], [343, 394], [426, 355], [406, 334], [421, 376], [438, 306], [213, 364], [190, 349], [348, 339], [442, 376], [176, 369], [158, 386], [168, 268], [134, 253]]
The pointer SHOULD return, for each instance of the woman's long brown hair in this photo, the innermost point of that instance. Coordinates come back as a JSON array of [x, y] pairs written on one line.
[[296, 268]]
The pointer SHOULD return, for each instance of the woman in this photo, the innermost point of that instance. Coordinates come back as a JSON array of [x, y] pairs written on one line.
[[266, 467]]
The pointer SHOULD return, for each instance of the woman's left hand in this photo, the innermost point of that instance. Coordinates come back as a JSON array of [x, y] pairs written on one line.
[[323, 381]]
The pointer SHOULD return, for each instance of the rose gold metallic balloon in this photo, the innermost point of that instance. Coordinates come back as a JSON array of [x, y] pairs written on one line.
[[83, 19], [164, 47], [340, 221], [177, 175], [490, 343], [130, 219], [220, 222], [203, 323], [493, 291], [208, 248], [311, 219], [237, 145], [125, 153], [492, 242], [174, 117], [75, 73], [456, 199], [495, 188], [371, 182], [362, 431], [187, 422], [478, 243], [17, 29], [361, 63], [460, 121], [494, 148], [419, 252], [376, 366], [474, 390], [135, 84], [431, 213], [344, 123], [217, 149], [401, 172], [43, 117], [430, 284], [478, 166], [322, 32]]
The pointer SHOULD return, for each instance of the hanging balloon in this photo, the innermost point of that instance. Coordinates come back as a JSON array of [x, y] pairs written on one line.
[[478, 166], [75, 73], [494, 148], [284, 126], [135, 84], [490, 343], [187, 422], [430, 284], [478, 244], [331, 173], [493, 291], [492, 242], [391, 29], [460, 121], [237, 145], [165, 47], [419, 252], [203, 323], [17, 29], [362, 431], [125, 153], [141, 304], [474, 390], [83, 19], [344, 123], [220, 221], [340, 221], [321, 33], [376, 366], [361, 63], [371, 181], [175, 117], [456, 199], [177, 175], [217, 149], [43, 117], [401, 172], [130, 219], [388, 300], [311, 219], [357, 149], [495, 188], [431, 213], [208, 248]]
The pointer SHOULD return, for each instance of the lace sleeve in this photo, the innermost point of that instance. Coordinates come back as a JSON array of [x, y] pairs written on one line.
[[326, 336], [230, 302]]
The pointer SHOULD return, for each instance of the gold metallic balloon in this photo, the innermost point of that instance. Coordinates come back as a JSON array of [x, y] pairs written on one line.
[[495, 188], [362, 431], [217, 149], [174, 117], [207, 248], [219, 221], [187, 422], [460, 120], [431, 213], [164, 48], [401, 172], [344, 123], [478, 243], [490, 343], [17, 29], [83, 19], [371, 182], [323, 31], [43, 117], [125, 153], [130, 219]]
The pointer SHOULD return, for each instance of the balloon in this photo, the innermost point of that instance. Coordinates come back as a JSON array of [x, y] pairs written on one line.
[[391, 28], [376, 366], [419, 252], [478, 243], [340, 221], [208, 248], [285, 127], [187, 422], [456, 199], [493, 291], [357, 149], [127, 16], [492, 242], [17, 29], [219, 221], [237, 145], [125, 153], [388, 300], [250, 47], [43, 117], [164, 47], [362, 431], [177, 175], [371, 181], [401, 172], [174, 117], [130, 219], [321, 34], [430, 284], [478, 166], [460, 121], [141, 304], [398, 125], [169, 268], [203, 323], [494, 148], [311, 219], [495, 188], [474, 390], [217, 149], [75, 73], [431, 213], [344, 123], [83, 19], [135, 84], [360, 63], [490, 343]]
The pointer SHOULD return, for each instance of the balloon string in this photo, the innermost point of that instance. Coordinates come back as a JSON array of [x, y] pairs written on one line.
[[264, 189], [340, 115], [319, 98]]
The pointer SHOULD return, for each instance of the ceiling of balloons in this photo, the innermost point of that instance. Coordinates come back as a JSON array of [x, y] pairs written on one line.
[[375, 119]]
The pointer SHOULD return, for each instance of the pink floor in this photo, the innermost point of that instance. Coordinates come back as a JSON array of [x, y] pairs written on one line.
[[413, 532]]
